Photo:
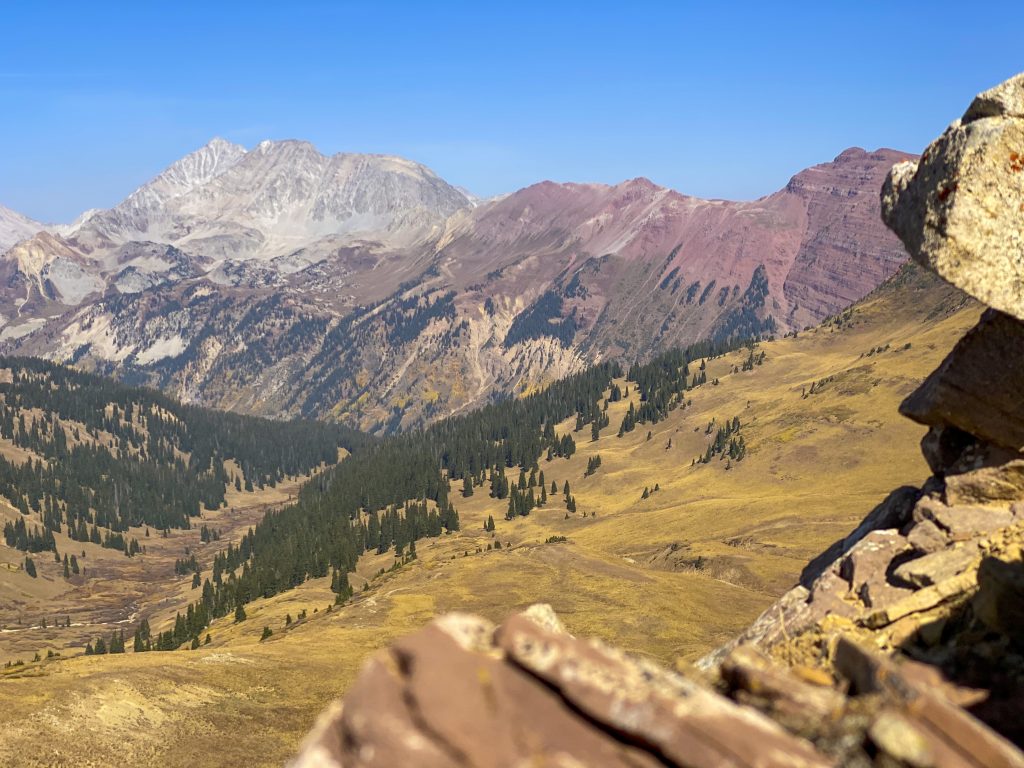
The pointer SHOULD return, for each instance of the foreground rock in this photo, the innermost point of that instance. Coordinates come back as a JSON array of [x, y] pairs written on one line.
[[464, 693], [959, 209], [976, 389], [461, 692]]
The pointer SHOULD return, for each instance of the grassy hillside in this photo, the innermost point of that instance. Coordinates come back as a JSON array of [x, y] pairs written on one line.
[[104, 486], [668, 576]]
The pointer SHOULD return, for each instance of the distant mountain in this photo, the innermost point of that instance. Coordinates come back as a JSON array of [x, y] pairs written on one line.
[[279, 281], [15, 227], [282, 203], [637, 266]]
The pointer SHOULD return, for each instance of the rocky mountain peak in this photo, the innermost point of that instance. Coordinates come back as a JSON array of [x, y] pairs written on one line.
[[225, 202], [182, 176], [14, 227]]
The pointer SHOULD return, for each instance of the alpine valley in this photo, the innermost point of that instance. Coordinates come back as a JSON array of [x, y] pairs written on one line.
[[281, 428], [280, 282]]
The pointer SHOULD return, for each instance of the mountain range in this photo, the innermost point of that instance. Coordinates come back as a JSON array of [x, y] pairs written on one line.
[[282, 282]]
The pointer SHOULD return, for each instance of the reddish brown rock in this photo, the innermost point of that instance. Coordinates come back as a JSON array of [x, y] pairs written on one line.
[[683, 721], [937, 566], [458, 694], [925, 536], [754, 677], [866, 567], [962, 522], [941, 734]]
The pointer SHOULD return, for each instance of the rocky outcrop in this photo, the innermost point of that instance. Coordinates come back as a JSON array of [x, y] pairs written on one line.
[[461, 692], [902, 645], [959, 208], [975, 390]]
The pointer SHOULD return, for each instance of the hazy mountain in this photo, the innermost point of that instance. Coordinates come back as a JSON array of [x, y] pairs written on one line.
[[280, 281], [15, 227], [281, 200]]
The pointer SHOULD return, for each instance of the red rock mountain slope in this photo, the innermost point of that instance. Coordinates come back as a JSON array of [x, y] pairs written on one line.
[[503, 296]]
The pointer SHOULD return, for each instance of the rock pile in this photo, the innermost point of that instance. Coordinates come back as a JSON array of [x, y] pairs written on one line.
[[903, 644]]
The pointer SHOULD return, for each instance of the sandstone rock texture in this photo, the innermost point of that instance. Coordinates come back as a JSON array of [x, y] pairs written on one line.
[[903, 643], [959, 209]]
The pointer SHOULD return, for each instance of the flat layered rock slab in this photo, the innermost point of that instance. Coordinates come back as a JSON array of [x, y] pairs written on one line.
[[458, 693]]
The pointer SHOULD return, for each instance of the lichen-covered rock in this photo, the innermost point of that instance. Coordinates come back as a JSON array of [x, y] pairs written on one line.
[[959, 210], [459, 693], [937, 732]]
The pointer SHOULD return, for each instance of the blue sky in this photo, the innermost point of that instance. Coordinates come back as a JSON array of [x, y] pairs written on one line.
[[714, 99]]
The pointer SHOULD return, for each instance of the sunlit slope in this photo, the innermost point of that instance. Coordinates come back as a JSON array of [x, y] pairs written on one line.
[[668, 576]]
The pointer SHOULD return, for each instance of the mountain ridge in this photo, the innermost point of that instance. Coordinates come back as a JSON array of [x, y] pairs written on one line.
[[425, 314], [15, 227]]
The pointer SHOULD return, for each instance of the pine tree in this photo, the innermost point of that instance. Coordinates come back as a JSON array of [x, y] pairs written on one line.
[[30, 567], [239, 613]]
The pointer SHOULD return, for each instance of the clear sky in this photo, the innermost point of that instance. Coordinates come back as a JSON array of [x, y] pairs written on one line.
[[714, 99]]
